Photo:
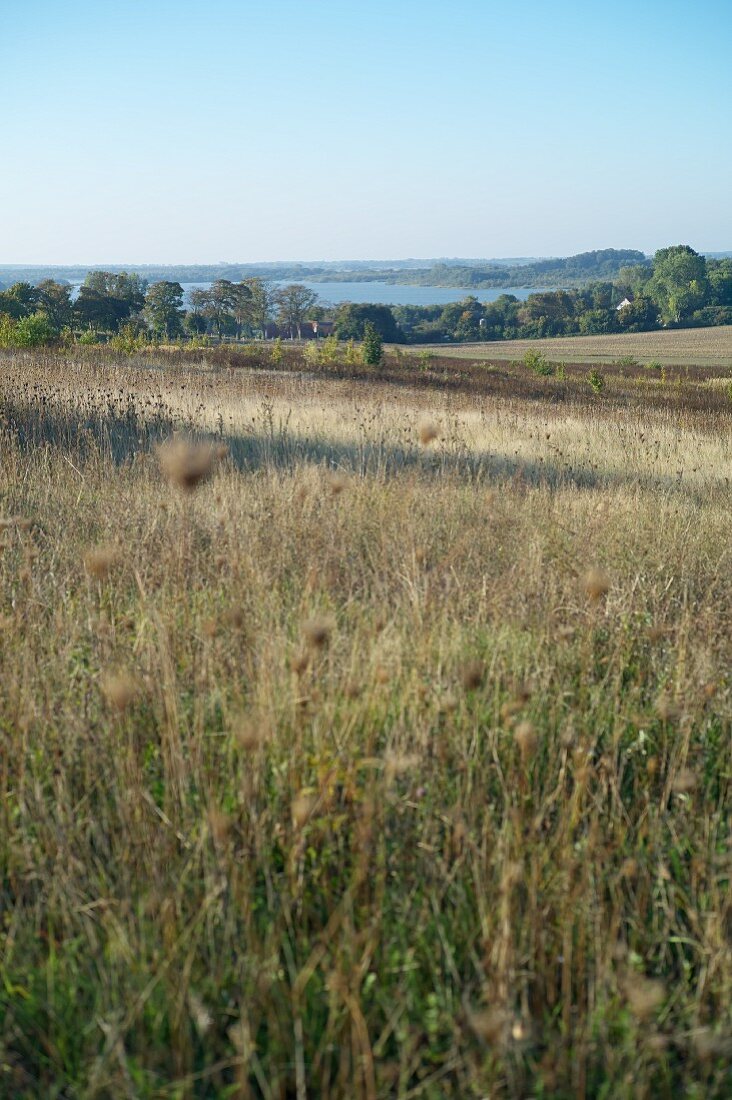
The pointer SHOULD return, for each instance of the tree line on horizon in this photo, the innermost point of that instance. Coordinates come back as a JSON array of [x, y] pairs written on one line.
[[679, 287]]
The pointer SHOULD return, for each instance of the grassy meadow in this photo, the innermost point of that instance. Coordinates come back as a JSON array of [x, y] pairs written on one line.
[[364, 733]]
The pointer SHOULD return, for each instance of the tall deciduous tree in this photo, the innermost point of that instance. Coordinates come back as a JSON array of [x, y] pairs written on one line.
[[126, 287], [19, 300], [163, 309], [54, 300], [679, 284], [294, 302], [352, 317], [260, 305]]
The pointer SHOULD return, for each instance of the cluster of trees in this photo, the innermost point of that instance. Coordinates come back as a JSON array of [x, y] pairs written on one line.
[[108, 302], [602, 264], [679, 287]]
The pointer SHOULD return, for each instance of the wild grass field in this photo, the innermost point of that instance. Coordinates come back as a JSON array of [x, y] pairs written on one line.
[[363, 734], [674, 347]]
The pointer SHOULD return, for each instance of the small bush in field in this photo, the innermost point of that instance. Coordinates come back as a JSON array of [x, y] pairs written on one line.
[[538, 363], [276, 354], [329, 349], [312, 354], [372, 348], [596, 380]]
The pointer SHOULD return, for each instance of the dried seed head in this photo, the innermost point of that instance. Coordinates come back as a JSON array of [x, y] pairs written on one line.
[[527, 740], [353, 688], [186, 465], [337, 482], [219, 824], [685, 781], [472, 675], [667, 709], [234, 617], [491, 1025], [596, 583], [199, 1013], [300, 662], [629, 868], [100, 560], [427, 431], [119, 688], [513, 872], [302, 807], [644, 995], [398, 764], [448, 703], [248, 733], [707, 1044], [317, 631]]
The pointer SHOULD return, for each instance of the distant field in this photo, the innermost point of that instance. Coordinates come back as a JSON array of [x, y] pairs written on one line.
[[696, 346]]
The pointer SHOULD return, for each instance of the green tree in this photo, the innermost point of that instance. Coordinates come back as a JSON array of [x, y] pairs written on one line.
[[639, 316], [372, 349], [679, 284], [19, 300], [218, 304], [260, 305], [163, 309], [720, 282], [54, 300], [125, 286], [294, 303], [98, 311], [352, 317]]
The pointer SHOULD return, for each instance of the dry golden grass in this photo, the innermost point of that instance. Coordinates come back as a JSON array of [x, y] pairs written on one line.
[[375, 767], [695, 347]]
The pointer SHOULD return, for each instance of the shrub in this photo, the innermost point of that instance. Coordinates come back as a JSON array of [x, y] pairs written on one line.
[[29, 332], [276, 353], [312, 353], [372, 349], [538, 363], [329, 349], [351, 353], [129, 340], [596, 380]]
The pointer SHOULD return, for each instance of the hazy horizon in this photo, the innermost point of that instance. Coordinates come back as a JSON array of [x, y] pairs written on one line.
[[159, 131]]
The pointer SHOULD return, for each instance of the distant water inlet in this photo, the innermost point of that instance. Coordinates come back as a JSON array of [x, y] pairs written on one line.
[[397, 294]]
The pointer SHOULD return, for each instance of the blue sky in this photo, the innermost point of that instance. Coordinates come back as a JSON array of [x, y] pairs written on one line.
[[154, 131]]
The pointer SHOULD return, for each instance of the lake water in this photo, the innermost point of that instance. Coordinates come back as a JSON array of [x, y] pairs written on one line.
[[390, 294], [398, 294]]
